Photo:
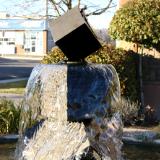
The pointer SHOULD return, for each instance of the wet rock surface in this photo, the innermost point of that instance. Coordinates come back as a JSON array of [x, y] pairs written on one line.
[[73, 100]]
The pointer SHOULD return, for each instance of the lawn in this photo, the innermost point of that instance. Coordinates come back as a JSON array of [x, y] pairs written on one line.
[[13, 87]]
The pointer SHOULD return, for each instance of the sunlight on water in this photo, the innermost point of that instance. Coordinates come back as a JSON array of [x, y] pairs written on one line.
[[57, 141]]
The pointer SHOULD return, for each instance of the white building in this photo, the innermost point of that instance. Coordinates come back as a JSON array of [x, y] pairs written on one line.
[[24, 36]]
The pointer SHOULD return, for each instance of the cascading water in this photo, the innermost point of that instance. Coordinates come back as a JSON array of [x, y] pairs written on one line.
[[65, 114]]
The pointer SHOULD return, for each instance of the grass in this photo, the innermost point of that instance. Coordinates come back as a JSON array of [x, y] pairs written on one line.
[[13, 87], [9, 117], [18, 84], [13, 90]]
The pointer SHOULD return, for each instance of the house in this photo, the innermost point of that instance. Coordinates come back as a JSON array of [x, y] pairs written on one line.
[[24, 36]]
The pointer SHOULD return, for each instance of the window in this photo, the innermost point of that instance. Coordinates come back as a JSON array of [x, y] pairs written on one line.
[[33, 37], [5, 39], [33, 49], [11, 43], [11, 39], [27, 49], [33, 43]]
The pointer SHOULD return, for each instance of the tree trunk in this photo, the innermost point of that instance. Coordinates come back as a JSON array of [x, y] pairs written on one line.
[[70, 4], [141, 80]]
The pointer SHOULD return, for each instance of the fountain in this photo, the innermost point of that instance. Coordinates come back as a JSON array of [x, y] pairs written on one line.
[[65, 110]]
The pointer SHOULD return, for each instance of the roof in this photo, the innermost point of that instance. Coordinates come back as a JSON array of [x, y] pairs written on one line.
[[22, 24]]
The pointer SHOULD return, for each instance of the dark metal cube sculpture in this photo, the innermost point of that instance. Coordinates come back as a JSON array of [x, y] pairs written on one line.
[[73, 35]]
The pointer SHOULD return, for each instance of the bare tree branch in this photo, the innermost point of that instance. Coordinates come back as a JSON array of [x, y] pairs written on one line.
[[68, 4], [59, 7], [56, 6], [102, 10], [65, 2], [56, 3], [62, 9]]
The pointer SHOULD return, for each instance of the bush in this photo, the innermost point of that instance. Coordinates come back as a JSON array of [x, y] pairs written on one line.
[[123, 61], [54, 56], [127, 109], [138, 22], [9, 117]]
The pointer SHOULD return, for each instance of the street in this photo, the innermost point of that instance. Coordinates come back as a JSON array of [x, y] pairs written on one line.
[[16, 68]]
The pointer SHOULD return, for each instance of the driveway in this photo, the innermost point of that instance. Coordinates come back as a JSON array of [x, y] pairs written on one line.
[[16, 68]]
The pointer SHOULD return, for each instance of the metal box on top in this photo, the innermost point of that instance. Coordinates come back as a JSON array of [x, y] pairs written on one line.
[[73, 35]]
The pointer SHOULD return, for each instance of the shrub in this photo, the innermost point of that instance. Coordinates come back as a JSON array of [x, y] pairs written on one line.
[[9, 117], [138, 21], [123, 61], [127, 109], [54, 56]]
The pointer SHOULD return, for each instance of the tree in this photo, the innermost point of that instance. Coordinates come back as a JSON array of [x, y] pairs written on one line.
[[138, 21], [61, 6]]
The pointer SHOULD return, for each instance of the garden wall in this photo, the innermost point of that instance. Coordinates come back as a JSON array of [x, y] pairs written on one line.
[[151, 85]]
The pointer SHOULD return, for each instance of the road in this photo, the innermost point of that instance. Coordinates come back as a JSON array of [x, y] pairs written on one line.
[[16, 68]]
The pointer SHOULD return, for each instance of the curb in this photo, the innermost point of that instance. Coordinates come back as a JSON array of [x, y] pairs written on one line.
[[12, 138], [131, 140], [134, 141], [22, 57], [10, 95], [142, 137]]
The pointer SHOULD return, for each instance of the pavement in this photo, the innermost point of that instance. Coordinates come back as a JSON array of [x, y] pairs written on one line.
[[16, 98], [13, 80], [11, 96], [16, 68], [23, 57]]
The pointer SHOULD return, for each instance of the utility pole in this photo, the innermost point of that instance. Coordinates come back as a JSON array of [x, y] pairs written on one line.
[[46, 25], [46, 14]]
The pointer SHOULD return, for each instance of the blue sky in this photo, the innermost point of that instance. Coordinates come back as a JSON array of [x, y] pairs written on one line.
[[103, 20], [24, 7]]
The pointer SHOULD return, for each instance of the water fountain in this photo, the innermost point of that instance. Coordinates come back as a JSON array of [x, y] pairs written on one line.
[[65, 111]]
